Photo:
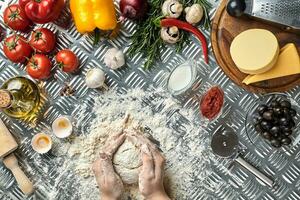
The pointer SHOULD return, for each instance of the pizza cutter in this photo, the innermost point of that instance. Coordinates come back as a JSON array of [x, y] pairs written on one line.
[[226, 144]]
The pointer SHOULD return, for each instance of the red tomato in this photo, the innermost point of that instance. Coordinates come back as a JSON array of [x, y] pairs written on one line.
[[42, 11], [67, 60], [14, 16], [42, 40], [16, 48], [39, 66]]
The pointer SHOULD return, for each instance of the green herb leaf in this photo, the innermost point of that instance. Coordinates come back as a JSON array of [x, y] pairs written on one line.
[[147, 40]]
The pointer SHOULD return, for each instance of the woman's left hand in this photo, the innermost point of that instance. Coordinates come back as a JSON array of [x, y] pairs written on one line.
[[110, 184]]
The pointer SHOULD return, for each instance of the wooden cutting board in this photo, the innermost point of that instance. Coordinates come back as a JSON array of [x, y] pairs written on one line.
[[225, 28], [7, 142]]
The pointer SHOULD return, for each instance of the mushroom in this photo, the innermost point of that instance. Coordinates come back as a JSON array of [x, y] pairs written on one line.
[[170, 34], [172, 9], [194, 13], [114, 58]]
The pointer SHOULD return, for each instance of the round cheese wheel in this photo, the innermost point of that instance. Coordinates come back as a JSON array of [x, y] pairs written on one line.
[[255, 51]]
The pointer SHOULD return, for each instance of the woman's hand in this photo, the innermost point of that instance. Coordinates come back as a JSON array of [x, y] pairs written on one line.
[[110, 184], [151, 176]]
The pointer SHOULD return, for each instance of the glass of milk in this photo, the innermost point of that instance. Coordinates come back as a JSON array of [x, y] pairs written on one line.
[[182, 78]]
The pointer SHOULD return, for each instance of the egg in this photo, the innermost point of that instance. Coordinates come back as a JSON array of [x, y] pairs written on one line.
[[41, 143], [62, 127]]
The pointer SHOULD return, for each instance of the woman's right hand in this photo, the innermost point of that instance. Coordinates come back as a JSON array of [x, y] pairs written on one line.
[[151, 176], [152, 171]]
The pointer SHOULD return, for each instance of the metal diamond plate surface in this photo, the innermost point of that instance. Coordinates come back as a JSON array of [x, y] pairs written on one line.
[[237, 183]]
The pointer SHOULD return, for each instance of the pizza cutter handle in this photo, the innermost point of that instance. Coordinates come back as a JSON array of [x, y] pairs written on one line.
[[255, 171]]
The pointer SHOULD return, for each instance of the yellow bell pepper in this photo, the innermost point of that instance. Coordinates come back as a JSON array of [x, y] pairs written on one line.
[[91, 14]]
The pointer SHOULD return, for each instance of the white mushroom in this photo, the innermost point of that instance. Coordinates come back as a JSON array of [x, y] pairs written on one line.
[[114, 58], [95, 78], [170, 34], [194, 13], [172, 9]]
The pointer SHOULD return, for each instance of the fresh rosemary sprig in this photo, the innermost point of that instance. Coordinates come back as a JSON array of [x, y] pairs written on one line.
[[147, 38]]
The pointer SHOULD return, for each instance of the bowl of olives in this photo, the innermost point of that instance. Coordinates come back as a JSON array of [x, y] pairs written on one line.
[[273, 120]]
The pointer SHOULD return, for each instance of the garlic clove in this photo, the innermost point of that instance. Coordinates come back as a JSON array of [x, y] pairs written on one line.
[[114, 58], [95, 78]]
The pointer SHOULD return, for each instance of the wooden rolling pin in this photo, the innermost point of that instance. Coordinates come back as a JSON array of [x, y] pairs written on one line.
[[23, 181], [7, 146]]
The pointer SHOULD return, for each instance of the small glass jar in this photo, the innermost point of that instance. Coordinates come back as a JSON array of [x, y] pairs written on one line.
[[183, 78]]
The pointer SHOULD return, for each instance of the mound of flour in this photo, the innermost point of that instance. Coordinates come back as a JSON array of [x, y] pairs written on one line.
[[182, 141]]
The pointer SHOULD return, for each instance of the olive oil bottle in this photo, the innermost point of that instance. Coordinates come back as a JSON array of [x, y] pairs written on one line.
[[20, 98]]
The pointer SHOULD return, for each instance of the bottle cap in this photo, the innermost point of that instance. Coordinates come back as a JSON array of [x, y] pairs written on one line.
[[5, 98]]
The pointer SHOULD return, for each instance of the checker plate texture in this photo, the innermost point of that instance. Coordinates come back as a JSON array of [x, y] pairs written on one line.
[[283, 166]]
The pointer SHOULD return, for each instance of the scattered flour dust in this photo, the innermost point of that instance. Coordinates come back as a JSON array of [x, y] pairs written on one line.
[[182, 142]]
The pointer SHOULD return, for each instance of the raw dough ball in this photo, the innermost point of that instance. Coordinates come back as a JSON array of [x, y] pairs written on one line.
[[127, 161]]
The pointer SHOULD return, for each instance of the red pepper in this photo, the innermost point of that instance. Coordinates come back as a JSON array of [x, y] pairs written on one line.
[[42, 11], [187, 27]]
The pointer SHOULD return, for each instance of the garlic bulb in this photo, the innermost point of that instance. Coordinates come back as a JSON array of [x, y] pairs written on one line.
[[194, 13], [172, 9], [114, 58], [95, 78], [170, 34]]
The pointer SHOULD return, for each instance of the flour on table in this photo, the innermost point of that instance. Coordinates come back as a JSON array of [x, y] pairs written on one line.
[[183, 143]]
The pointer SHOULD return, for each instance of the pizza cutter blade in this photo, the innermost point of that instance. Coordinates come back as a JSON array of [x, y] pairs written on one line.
[[226, 144]]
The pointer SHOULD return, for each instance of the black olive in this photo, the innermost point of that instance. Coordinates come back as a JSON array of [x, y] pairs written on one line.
[[276, 121], [288, 133], [275, 104], [293, 112], [279, 137], [286, 141], [283, 121], [291, 124], [258, 128], [286, 112], [261, 109], [276, 143], [236, 8], [274, 130], [285, 104], [266, 125], [266, 135], [268, 115], [256, 118], [277, 111], [285, 129]]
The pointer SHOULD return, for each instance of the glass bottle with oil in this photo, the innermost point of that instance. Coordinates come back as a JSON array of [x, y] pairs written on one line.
[[20, 98]]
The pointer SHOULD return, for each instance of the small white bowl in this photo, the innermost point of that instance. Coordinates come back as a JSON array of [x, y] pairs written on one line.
[[41, 143], [62, 127]]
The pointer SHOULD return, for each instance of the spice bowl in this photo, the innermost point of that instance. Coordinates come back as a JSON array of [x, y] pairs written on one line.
[[273, 125], [211, 103], [183, 79]]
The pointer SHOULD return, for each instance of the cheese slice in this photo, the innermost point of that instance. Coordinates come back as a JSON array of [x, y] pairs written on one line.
[[288, 63], [254, 51]]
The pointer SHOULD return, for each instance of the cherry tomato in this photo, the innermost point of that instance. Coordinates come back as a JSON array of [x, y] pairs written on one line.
[[14, 16], [39, 66], [67, 60], [16, 48], [42, 40]]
